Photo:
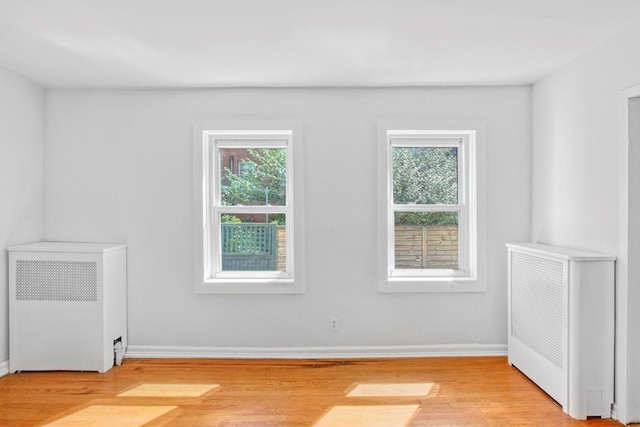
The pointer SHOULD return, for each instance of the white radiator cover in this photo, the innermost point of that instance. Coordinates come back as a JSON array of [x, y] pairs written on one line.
[[67, 305], [561, 324]]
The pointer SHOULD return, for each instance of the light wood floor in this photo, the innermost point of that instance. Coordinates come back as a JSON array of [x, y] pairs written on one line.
[[482, 391]]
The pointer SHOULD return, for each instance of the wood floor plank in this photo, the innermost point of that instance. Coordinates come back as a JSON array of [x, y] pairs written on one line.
[[464, 391]]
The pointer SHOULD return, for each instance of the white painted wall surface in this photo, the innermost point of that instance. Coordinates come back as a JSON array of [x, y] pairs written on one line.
[[21, 174], [119, 168], [578, 188]]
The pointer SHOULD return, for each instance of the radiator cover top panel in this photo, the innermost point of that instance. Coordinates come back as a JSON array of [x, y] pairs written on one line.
[[536, 298], [53, 280]]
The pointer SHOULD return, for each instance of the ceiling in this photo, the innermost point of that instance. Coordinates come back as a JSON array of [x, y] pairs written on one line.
[[272, 43]]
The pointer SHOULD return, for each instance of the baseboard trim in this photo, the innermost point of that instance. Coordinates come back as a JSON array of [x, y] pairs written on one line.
[[449, 350], [4, 368]]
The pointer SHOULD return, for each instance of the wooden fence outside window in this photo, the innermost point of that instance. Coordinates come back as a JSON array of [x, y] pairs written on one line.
[[253, 246]]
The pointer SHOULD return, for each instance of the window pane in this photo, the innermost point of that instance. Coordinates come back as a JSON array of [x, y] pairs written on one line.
[[248, 244], [253, 176], [426, 240], [425, 175]]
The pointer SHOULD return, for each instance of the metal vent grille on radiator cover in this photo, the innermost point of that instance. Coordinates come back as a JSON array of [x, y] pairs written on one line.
[[48, 280], [536, 304]]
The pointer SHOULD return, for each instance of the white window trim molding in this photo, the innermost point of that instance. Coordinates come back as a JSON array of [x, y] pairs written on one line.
[[277, 283], [475, 280]]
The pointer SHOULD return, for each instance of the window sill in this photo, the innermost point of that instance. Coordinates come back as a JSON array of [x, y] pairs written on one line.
[[430, 284], [250, 286]]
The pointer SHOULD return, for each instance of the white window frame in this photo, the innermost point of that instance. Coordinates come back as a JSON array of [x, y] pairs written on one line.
[[468, 138], [209, 139]]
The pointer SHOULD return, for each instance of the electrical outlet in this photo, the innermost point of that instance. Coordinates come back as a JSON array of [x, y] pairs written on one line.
[[333, 325]]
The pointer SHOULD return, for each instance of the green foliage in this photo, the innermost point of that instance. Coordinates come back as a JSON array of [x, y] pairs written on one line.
[[230, 219], [425, 176], [278, 219], [264, 176], [426, 218]]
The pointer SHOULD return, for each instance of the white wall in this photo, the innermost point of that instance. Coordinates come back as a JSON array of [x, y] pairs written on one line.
[[21, 174], [579, 185], [119, 168]]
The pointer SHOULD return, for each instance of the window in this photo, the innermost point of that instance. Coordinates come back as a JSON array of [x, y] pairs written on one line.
[[245, 240], [428, 219], [244, 168]]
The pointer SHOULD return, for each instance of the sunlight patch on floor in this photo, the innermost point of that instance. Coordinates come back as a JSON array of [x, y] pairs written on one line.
[[169, 390], [368, 416], [110, 416], [391, 390]]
